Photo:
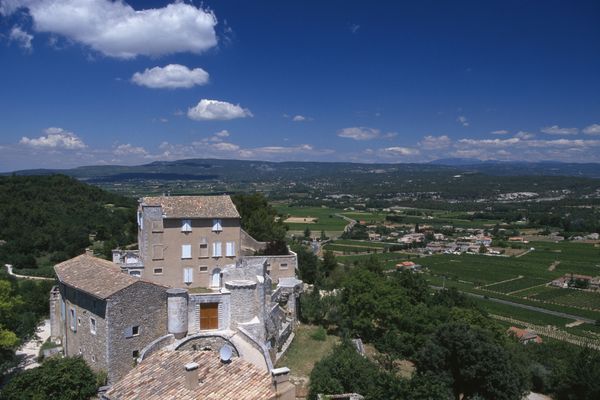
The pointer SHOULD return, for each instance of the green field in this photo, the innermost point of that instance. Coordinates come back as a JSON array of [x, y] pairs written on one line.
[[357, 246], [569, 297], [522, 314], [326, 218], [389, 260]]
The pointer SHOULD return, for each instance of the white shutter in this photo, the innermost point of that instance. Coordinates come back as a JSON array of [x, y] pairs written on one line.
[[186, 225], [188, 275], [217, 252], [186, 251], [217, 225], [230, 250]]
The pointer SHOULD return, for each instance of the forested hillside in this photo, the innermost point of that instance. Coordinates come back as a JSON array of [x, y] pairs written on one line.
[[48, 219]]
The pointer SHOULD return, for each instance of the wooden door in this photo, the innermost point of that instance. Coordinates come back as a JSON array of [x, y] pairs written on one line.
[[209, 316]]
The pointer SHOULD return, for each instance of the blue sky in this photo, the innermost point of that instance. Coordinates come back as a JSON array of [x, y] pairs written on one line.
[[99, 82]]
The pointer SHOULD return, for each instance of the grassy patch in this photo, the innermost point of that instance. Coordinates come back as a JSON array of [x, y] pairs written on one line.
[[304, 352]]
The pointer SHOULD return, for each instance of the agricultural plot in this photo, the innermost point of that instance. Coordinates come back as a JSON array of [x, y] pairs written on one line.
[[317, 218], [568, 297], [522, 314], [389, 260], [369, 218], [346, 249], [516, 285]]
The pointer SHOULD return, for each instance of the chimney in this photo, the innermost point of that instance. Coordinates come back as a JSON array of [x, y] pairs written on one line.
[[191, 375], [284, 389], [89, 251]]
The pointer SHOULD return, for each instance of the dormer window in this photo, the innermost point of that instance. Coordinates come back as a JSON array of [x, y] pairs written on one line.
[[217, 227], [186, 225]]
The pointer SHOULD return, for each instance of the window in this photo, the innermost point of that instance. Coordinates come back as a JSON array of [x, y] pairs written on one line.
[[203, 268], [217, 249], [186, 225], [78, 321], [230, 249], [92, 326], [80, 351], [186, 251], [157, 226], [136, 274], [135, 354], [157, 252], [203, 248], [73, 319], [158, 271], [217, 227], [132, 331], [93, 358], [283, 266], [188, 275], [140, 220]]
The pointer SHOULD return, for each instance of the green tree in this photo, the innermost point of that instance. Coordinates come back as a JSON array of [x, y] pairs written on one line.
[[307, 233], [473, 364], [259, 219], [308, 264], [57, 378], [581, 378], [329, 263]]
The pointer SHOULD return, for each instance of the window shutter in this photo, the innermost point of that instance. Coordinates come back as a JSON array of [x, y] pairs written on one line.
[[186, 251], [128, 332], [217, 225], [186, 225], [217, 249], [230, 249]]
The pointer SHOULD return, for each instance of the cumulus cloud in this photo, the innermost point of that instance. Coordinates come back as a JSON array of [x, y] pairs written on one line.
[[223, 133], [557, 130], [401, 151], [524, 135], [207, 110], [115, 29], [299, 118], [435, 142], [461, 119], [359, 133], [500, 132], [128, 149], [593, 129], [22, 38], [172, 76], [223, 146], [55, 138]]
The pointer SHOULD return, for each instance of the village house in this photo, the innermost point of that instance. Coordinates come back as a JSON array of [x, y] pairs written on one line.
[[143, 303], [524, 336]]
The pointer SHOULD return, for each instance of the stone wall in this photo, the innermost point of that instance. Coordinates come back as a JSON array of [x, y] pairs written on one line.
[[206, 342], [280, 266], [143, 305], [81, 340], [195, 299]]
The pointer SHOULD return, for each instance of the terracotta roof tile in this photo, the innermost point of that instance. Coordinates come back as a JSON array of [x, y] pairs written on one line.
[[162, 376], [93, 275], [194, 206]]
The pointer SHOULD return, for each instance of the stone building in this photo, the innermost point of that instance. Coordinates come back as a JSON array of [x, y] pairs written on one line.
[[193, 295], [105, 316], [186, 241]]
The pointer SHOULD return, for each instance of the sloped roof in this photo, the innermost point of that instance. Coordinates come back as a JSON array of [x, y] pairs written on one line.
[[194, 206], [162, 376], [93, 275]]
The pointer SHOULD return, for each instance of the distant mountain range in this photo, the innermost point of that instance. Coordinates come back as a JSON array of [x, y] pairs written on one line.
[[243, 170]]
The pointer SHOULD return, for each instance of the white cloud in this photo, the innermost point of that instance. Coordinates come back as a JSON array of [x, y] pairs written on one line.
[[354, 28], [359, 133], [435, 142], [461, 119], [557, 130], [172, 76], [593, 129], [525, 135], [128, 149], [55, 138], [207, 110], [22, 38], [401, 151], [115, 29], [299, 118], [223, 133], [223, 146], [500, 132]]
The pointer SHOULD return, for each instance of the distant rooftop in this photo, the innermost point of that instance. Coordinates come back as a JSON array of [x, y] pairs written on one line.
[[162, 376], [93, 275], [194, 206]]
